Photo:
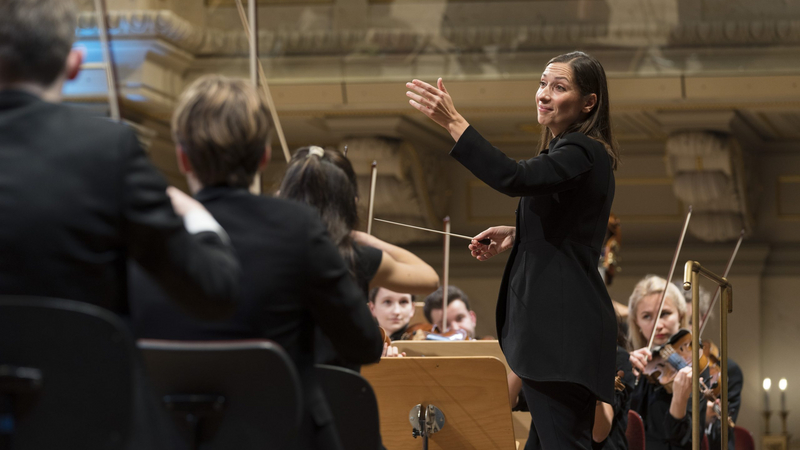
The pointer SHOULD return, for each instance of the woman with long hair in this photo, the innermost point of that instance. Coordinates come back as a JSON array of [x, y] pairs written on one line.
[[325, 180], [555, 319]]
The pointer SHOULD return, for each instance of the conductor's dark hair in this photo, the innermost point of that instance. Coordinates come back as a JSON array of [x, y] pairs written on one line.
[[318, 182], [434, 300], [35, 38], [590, 78]]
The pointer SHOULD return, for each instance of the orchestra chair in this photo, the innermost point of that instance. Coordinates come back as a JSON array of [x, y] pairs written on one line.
[[226, 394], [635, 431], [66, 375], [743, 439], [471, 392], [354, 407]]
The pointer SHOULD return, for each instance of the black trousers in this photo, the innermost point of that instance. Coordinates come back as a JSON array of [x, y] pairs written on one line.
[[562, 415]]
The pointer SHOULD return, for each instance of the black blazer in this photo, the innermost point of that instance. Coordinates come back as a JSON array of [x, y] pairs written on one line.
[[78, 197], [293, 279], [555, 320]]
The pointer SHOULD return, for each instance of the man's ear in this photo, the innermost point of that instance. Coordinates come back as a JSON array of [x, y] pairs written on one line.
[[74, 62], [265, 158], [183, 160], [474, 317], [591, 102]]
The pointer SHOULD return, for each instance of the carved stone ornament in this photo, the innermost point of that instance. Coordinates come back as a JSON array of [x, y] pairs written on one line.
[[166, 25]]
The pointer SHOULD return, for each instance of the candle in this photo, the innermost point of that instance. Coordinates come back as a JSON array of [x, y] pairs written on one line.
[[767, 385], [782, 385]]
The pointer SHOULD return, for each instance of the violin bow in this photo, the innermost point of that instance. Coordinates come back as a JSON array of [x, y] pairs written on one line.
[[704, 320], [255, 61], [445, 272], [371, 208], [671, 272], [105, 45]]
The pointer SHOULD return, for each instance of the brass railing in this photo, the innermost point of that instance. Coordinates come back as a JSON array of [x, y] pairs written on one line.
[[692, 271]]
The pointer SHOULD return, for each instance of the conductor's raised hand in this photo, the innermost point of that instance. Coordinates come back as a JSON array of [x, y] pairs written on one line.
[[502, 239], [436, 103]]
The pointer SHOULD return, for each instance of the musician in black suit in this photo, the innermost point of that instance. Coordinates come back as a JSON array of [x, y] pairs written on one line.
[[555, 319], [293, 277], [78, 195]]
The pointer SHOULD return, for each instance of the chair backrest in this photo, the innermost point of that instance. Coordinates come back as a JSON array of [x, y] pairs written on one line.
[[86, 359], [257, 380], [354, 407], [743, 439], [635, 431]]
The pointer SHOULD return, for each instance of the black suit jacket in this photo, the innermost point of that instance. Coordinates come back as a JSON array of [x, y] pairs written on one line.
[[78, 197], [555, 320], [293, 279]]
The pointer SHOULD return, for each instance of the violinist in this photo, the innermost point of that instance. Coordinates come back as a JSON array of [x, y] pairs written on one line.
[[393, 310], [293, 278], [325, 180], [667, 415], [735, 380], [459, 314], [555, 320]]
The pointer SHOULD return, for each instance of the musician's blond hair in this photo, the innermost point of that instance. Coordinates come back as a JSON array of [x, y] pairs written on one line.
[[651, 284], [223, 125]]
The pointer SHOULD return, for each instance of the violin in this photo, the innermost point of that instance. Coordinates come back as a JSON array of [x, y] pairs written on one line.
[[385, 337], [676, 354], [431, 332]]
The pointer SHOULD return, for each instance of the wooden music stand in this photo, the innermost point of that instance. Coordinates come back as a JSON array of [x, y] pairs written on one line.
[[453, 348], [472, 392]]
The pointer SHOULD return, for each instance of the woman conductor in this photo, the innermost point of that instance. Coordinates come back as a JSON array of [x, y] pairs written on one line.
[[555, 319]]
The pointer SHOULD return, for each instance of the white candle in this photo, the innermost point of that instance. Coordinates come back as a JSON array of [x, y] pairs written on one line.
[[767, 384], [782, 385]]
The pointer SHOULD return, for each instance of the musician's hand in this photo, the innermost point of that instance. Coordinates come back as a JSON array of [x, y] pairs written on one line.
[[682, 385], [502, 239], [390, 351], [639, 359], [681, 390], [436, 103], [181, 202], [711, 415]]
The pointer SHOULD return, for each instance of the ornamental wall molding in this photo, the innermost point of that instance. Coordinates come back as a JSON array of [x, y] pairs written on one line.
[[166, 25]]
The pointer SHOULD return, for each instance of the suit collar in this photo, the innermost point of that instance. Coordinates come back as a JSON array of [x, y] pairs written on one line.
[[15, 98], [215, 192]]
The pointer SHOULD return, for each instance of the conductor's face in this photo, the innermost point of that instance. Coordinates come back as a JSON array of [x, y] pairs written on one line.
[[559, 101]]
